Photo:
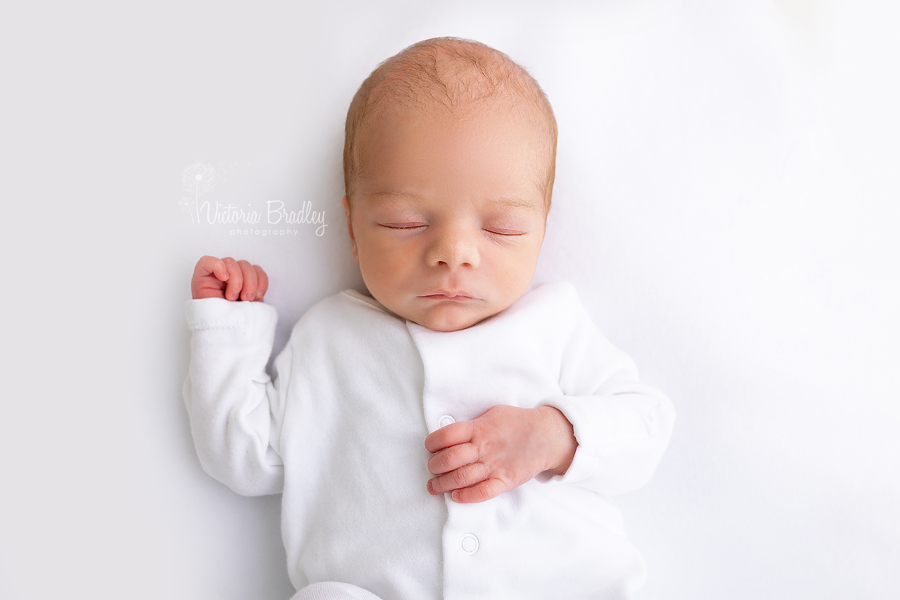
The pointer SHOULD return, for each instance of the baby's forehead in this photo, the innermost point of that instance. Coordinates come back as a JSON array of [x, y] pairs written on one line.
[[490, 206], [438, 124]]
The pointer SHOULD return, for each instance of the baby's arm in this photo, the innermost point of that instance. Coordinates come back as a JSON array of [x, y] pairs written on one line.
[[234, 407], [621, 428]]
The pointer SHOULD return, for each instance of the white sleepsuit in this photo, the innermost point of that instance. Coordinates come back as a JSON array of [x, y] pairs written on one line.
[[340, 431]]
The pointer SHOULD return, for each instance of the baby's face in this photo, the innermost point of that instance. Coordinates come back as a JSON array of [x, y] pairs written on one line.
[[448, 217]]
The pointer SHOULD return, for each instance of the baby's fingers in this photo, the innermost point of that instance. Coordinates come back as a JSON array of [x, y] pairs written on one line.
[[487, 489], [248, 290], [452, 458], [210, 265], [450, 435], [460, 478], [235, 279], [262, 283], [209, 278]]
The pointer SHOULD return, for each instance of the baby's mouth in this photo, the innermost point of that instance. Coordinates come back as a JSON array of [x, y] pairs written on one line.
[[447, 295]]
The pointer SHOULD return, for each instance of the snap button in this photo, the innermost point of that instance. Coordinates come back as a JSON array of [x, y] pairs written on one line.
[[469, 544], [446, 420]]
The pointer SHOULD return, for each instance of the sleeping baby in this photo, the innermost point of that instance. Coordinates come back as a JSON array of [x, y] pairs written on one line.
[[451, 433]]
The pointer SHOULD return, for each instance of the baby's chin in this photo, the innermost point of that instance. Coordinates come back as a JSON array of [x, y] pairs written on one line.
[[450, 317]]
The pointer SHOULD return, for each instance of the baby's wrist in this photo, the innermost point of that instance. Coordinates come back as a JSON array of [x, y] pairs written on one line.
[[561, 435]]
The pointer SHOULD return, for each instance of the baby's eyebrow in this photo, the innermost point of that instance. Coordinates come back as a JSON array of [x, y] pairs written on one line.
[[388, 196], [514, 203]]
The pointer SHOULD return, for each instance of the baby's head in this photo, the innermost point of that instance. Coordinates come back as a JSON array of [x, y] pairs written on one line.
[[449, 161]]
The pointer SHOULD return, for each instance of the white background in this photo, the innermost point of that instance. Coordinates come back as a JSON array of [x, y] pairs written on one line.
[[726, 204]]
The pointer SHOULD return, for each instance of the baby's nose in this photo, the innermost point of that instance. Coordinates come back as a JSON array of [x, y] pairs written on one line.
[[453, 249]]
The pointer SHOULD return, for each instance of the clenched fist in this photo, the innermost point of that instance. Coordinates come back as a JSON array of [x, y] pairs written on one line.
[[228, 279]]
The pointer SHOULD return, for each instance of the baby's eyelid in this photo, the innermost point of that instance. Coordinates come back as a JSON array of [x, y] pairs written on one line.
[[402, 225], [506, 232]]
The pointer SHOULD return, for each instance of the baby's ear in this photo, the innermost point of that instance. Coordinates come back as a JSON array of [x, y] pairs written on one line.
[[345, 202]]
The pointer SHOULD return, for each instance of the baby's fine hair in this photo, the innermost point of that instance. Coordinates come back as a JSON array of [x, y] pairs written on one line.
[[450, 76]]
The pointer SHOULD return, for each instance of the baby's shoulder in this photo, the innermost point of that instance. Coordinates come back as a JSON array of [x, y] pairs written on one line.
[[549, 312], [557, 298], [554, 291], [343, 313]]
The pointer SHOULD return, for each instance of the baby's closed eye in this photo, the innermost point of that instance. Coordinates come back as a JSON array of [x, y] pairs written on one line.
[[403, 225], [504, 225], [504, 231]]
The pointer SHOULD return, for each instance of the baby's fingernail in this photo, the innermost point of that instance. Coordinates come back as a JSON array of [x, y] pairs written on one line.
[[430, 487], [455, 496]]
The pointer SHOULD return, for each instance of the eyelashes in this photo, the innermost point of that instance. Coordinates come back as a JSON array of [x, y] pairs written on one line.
[[401, 226], [506, 233]]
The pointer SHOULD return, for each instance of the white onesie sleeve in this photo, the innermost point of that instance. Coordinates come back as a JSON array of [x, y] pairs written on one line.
[[235, 408], [621, 425]]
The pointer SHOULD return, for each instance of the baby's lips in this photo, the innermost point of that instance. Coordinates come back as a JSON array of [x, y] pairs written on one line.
[[459, 296]]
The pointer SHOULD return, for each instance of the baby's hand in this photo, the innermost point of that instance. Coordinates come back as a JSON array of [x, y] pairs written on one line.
[[502, 448], [228, 279]]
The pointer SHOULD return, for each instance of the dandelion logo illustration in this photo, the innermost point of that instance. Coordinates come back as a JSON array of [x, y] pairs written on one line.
[[198, 179]]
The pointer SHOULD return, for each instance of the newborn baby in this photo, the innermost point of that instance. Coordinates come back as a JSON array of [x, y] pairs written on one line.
[[451, 434]]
